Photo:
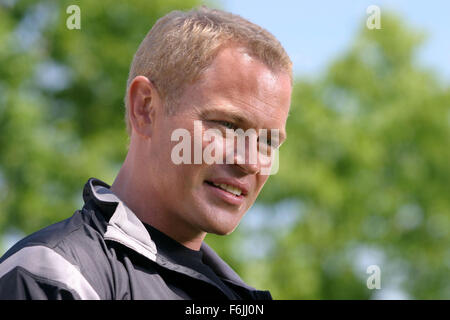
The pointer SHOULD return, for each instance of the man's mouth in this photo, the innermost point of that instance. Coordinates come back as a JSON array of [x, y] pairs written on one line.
[[230, 189]]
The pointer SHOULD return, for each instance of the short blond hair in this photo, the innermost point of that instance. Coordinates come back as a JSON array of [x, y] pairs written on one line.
[[181, 45]]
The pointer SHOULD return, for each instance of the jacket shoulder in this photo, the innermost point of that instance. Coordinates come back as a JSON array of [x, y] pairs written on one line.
[[59, 256]]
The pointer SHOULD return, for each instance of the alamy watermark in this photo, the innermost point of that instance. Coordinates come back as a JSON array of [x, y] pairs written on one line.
[[74, 20], [374, 20], [374, 280], [232, 148]]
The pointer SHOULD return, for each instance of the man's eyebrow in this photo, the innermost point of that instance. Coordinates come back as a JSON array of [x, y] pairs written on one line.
[[235, 115]]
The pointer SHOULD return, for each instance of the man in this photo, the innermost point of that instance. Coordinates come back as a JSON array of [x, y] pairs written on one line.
[[142, 237]]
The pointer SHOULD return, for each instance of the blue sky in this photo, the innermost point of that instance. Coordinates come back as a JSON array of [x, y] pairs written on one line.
[[314, 32]]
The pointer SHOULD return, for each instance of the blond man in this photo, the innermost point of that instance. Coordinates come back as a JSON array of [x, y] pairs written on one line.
[[143, 236]]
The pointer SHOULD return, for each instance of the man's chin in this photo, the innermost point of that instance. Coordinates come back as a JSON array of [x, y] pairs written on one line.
[[223, 229], [219, 219]]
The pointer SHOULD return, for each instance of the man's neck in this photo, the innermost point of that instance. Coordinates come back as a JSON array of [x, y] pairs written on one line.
[[149, 211]]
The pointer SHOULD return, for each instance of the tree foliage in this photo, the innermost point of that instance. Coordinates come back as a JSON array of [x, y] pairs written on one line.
[[61, 101]]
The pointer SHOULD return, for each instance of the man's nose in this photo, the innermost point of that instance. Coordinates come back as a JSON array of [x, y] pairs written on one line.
[[249, 168], [246, 158]]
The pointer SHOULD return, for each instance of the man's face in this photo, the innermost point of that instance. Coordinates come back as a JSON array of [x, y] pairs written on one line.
[[236, 91]]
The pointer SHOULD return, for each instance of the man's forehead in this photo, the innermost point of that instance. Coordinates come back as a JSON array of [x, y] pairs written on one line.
[[236, 64], [243, 88], [235, 72]]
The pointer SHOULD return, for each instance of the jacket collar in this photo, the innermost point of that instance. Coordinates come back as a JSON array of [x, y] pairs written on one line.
[[125, 227]]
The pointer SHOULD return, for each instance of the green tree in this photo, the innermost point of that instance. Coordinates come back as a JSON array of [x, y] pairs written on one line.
[[61, 101]]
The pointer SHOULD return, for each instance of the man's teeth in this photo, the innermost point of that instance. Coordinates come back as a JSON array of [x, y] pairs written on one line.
[[231, 189]]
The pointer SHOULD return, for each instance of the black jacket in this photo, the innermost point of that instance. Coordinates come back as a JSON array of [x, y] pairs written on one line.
[[105, 252]]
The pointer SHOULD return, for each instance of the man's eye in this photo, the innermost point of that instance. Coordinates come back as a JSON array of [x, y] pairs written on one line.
[[265, 141], [227, 124], [268, 142], [272, 143]]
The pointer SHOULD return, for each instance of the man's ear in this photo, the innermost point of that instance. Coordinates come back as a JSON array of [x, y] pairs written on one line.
[[143, 100]]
